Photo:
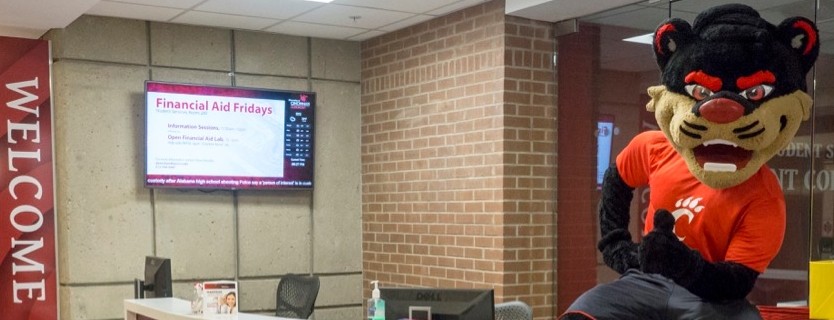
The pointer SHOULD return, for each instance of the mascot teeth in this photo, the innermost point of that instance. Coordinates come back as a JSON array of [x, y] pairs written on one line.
[[719, 142], [719, 167], [719, 155]]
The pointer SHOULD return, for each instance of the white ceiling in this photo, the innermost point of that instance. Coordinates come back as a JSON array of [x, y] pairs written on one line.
[[359, 20], [341, 19], [558, 10]]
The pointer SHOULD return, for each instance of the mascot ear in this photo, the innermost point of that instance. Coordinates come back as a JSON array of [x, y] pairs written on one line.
[[670, 37], [801, 36]]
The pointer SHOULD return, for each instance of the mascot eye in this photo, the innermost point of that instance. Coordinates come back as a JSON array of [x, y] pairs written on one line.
[[698, 92], [757, 93]]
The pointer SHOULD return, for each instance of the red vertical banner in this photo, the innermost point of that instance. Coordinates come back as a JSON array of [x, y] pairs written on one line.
[[28, 266]]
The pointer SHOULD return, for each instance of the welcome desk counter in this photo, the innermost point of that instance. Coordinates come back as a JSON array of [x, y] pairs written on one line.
[[179, 309]]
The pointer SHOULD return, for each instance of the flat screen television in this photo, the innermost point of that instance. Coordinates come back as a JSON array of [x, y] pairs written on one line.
[[444, 304], [229, 138], [605, 137], [157, 282]]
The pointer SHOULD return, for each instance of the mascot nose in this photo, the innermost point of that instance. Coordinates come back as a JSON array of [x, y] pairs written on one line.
[[721, 110]]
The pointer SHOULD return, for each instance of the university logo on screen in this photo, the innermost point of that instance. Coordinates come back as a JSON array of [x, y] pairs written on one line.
[[301, 103]]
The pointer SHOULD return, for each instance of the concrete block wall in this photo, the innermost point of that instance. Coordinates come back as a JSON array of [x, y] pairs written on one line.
[[108, 222]]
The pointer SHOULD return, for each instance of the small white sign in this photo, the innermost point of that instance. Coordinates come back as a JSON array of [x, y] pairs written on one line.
[[220, 297]]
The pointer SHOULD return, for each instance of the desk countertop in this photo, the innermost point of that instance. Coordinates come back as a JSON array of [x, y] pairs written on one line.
[[179, 309]]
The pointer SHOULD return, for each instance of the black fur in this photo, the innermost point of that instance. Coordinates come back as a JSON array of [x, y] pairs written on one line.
[[618, 251], [724, 281], [661, 252], [731, 41]]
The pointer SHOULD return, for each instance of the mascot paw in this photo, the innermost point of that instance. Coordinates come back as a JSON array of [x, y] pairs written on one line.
[[661, 252], [664, 222]]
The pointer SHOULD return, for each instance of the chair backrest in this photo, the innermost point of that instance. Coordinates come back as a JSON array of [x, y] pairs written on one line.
[[296, 296], [513, 310]]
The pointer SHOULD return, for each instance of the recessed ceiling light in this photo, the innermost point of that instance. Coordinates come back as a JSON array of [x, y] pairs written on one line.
[[645, 38], [322, 1]]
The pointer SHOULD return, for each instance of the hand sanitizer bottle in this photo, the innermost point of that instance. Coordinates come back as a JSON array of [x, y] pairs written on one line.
[[376, 306]]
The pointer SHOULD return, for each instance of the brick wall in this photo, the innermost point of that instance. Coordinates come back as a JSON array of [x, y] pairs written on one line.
[[458, 156], [530, 163]]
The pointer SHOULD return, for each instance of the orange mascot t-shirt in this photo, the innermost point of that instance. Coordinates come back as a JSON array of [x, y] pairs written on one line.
[[743, 224]]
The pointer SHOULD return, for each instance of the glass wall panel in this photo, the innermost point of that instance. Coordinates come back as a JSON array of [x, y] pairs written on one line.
[[822, 216], [625, 67]]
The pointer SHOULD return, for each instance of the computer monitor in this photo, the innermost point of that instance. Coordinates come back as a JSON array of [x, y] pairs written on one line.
[[445, 304], [157, 283]]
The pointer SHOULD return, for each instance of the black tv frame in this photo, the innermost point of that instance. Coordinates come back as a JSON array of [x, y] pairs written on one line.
[[299, 140]]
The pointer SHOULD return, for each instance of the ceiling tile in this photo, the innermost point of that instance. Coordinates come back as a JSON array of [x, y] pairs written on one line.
[[558, 10], [645, 19], [181, 4], [421, 6], [315, 30], [20, 32], [457, 5], [133, 11], [224, 20], [779, 13], [42, 14], [275, 9], [366, 35], [406, 22], [341, 16], [700, 5]]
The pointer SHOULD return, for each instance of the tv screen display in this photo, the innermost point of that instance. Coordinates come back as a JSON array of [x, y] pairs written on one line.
[[213, 137], [442, 304], [605, 137]]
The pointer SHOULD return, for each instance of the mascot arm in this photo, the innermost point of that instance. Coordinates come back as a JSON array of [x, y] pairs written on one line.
[[618, 251], [661, 252]]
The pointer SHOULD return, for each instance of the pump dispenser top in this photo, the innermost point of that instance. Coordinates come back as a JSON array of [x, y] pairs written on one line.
[[376, 306], [375, 293]]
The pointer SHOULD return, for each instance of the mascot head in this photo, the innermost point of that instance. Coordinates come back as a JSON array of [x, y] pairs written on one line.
[[733, 90]]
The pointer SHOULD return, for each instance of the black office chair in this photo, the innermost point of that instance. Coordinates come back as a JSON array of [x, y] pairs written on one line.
[[513, 310], [296, 296]]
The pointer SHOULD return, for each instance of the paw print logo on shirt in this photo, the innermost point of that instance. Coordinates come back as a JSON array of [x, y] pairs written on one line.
[[688, 208]]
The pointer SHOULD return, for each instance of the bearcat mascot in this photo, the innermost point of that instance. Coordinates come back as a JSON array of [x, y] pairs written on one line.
[[732, 95]]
